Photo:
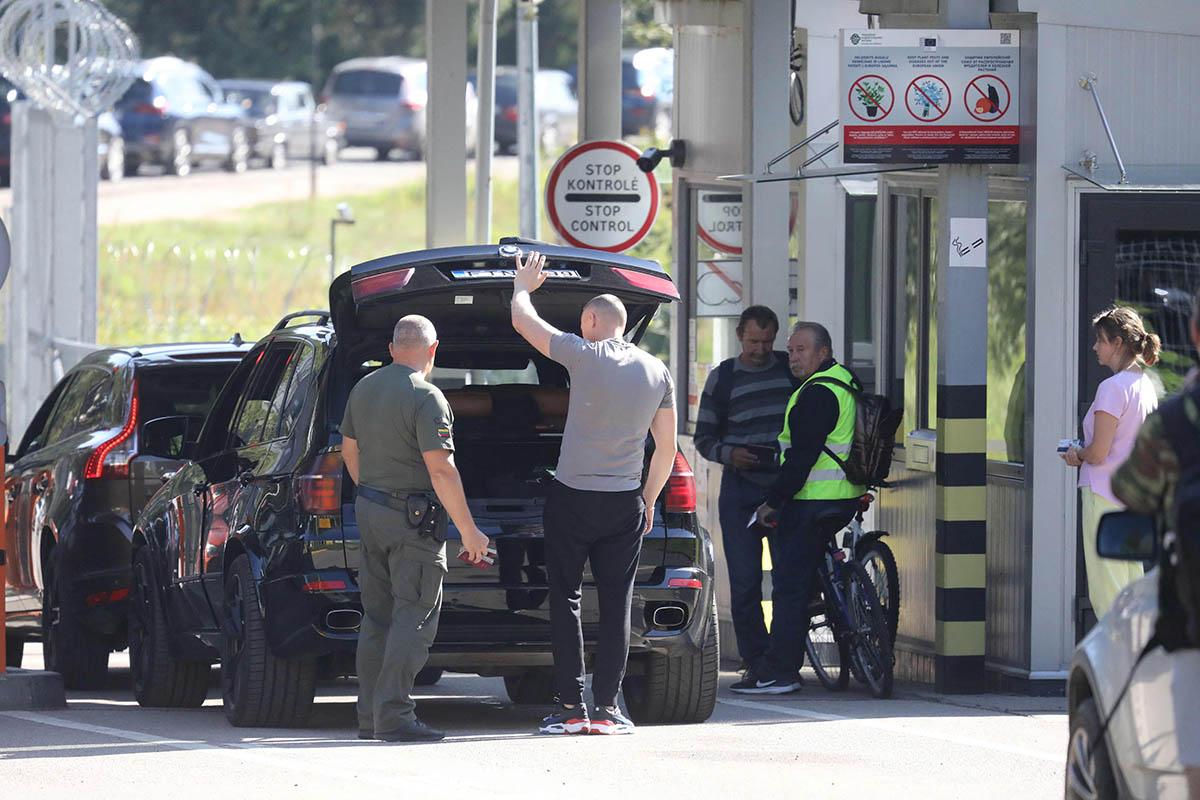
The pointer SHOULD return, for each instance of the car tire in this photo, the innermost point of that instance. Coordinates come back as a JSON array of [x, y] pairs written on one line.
[[428, 676], [258, 688], [159, 679], [14, 650], [677, 689], [279, 155], [382, 153], [532, 688], [114, 161], [239, 151], [131, 167], [181, 153], [1089, 772], [68, 648]]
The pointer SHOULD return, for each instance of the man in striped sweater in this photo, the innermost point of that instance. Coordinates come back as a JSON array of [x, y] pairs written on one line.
[[740, 417]]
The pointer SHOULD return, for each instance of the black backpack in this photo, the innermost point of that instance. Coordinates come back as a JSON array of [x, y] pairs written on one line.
[[875, 426], [1178, 623]]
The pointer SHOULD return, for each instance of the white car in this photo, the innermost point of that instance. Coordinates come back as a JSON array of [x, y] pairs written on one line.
[[1156, 726]]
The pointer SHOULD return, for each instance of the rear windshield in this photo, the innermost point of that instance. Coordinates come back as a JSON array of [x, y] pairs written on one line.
[[367, 83], [139, 93], [259, 101], [180, 391]]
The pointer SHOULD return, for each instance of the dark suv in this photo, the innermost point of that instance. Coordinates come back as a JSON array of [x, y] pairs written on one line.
[[97, 449], [251, 553]]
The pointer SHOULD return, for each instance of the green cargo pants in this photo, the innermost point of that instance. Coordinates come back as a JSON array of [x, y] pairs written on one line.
[[401, 585]]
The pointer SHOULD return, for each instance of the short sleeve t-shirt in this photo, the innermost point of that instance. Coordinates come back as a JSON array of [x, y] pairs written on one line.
[[395, 415], [1130, 397], [616, 389]]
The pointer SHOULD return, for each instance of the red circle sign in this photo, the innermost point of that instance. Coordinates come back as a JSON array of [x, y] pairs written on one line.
[[930, 96], [597, 197], [984, 100], [873, 95]]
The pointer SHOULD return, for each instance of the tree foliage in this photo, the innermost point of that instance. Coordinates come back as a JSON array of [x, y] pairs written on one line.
[[274, 38]]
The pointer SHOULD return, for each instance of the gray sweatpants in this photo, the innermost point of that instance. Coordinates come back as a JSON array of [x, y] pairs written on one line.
[[401, 585]]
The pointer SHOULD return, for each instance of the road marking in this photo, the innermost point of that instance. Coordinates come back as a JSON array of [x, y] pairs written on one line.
[[894, 728], [289, 763]]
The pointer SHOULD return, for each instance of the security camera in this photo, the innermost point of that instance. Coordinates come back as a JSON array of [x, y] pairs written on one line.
[[649, 159]]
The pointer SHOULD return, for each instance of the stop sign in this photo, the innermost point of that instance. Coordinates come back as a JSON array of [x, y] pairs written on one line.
[[597, 197]]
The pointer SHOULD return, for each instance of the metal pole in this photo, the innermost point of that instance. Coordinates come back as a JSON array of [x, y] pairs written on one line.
[[312, 134], [332, 246], [1089, 82], [486, 127], [527, 118]]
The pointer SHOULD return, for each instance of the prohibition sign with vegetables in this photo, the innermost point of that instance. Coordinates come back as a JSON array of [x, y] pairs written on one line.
[[987, 98], [927, 98], [871, 98]]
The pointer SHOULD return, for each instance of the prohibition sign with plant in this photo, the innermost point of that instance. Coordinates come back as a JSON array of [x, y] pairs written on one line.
[[927, 98], [874, 95]]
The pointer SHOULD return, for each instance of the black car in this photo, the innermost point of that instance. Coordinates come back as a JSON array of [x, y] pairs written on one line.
[[174, 114], [284, 118], [250, 554], [95, 452], [557, 109]]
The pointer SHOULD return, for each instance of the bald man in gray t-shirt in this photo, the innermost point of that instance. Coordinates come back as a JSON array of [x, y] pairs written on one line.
[[597, 509]]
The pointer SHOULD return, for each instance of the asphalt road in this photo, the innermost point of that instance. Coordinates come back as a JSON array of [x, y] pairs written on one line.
[[814, 744], [211, 192]]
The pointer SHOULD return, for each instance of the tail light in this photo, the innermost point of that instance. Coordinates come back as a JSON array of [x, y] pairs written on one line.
[[384, 283], [158, 107], [111, 459], [6, 119], [412, 106], [865, 501], [320, 486], [510, 113], [104, 598], [680, 494], [647, 93]]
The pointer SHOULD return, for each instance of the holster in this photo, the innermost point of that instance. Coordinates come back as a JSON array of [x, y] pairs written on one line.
[[424, 513]]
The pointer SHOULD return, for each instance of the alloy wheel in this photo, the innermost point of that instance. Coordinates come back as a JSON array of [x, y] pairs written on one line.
[[1081, 779]]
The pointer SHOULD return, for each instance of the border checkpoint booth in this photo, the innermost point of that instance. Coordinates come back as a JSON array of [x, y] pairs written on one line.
[[1100, 206]]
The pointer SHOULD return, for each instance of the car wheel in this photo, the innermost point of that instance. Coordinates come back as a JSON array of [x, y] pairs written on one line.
[[428, 677], [181, 153], [67, 647], [677, 689], [131, 167], [159, 679], [259, 689], [533, 688], [382, 153], [239, 151], [279, 156], [330, 153], [114, 160], [14, 650], [1089, 769]]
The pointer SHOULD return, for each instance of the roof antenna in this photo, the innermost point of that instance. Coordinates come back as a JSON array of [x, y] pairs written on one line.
[[236, 339]]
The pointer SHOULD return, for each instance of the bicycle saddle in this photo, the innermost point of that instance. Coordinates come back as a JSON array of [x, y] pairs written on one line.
[[829, 521]]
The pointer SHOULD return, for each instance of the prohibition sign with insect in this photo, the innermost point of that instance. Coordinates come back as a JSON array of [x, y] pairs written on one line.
[[927, 98], [871, 98], [987, 98]]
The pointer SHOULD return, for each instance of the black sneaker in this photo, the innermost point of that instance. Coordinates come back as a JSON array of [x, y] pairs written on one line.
[[754, 682], [610, 721], [566, 720], [415, 731]]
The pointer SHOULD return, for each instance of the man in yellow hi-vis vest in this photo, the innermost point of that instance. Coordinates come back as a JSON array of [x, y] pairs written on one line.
[[818, 422]]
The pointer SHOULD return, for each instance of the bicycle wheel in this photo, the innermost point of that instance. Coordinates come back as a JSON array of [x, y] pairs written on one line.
[[828, 656], [870, 645], [877, 559]]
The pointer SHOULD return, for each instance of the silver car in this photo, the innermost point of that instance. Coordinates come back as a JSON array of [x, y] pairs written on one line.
[[1155, 727], [382, 103]]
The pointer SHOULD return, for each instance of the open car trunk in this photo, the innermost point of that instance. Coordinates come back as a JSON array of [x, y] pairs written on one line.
[[507, 434]]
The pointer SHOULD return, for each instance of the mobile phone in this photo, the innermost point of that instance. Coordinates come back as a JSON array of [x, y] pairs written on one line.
[[764, 453], [483, 563]]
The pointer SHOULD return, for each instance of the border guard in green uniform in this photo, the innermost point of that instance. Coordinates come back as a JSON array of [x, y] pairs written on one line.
[[398, 445]]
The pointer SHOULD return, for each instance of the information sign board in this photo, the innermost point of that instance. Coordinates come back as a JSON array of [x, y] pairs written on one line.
[[930, 97]]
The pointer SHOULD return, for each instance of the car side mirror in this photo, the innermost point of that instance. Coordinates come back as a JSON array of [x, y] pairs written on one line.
[[1127, 536], [166, 437]]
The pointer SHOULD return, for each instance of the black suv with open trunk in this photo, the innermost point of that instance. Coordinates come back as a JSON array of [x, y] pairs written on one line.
[[251, 553]]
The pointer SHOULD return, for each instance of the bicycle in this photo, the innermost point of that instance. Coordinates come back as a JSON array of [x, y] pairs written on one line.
[[848, 631]]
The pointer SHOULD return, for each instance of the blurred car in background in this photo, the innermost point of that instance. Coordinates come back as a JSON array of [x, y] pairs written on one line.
[[175, 115], [656, 69], [102, 443], [557, 109], [382, 103], [111, 149], [639, 96], [283, 116]]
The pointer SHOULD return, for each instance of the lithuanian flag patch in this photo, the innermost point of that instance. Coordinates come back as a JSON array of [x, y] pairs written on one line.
[[443, 432]]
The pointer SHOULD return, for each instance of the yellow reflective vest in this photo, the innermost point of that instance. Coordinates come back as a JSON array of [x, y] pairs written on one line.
[[827, 481]]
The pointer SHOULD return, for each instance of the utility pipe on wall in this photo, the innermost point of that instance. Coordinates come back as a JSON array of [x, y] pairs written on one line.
[[485, 139]]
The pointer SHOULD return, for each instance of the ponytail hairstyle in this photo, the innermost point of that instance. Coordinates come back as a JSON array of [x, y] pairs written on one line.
[[1126, 324]]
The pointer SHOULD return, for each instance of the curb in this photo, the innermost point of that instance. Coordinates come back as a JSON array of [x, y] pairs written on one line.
[[26, 689]]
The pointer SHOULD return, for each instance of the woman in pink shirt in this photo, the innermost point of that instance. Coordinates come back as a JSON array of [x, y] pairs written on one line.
[[1109, 430]]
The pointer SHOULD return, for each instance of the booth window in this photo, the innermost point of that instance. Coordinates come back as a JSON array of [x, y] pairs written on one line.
[[860, 308], [911, 373]]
